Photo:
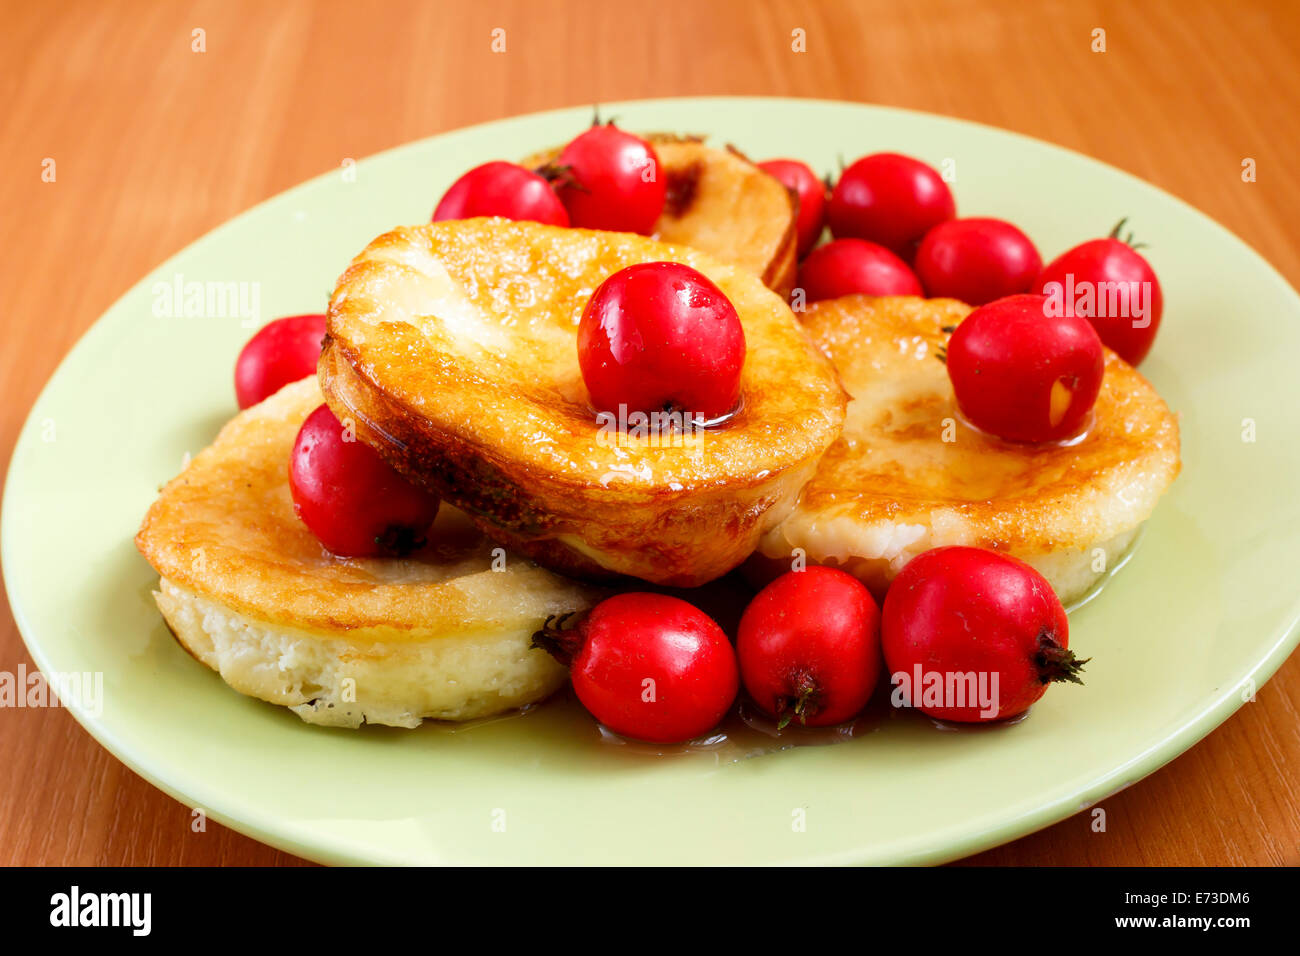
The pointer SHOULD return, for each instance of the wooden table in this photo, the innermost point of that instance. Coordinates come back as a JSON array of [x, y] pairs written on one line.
[[156, 144]]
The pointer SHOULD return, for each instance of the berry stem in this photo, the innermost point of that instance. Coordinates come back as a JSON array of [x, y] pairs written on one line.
[[804, 702], [1056, 663], [1127, 240], [560, 176], [561, 636]]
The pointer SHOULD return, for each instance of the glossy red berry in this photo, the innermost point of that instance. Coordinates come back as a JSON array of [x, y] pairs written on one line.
[[852, 266], [610, 179], [809, 647], [283, 351], [647, 666], [350, 498], [502, 189], [891, 200], [660, 336], [810, 194], [1107, 282], [974, 635], [976, 261], [1023, 375]]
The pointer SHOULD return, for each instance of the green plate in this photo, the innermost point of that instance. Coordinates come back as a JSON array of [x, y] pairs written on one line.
[[1205, 610]]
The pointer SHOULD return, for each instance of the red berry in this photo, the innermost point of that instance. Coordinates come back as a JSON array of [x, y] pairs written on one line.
[[502, 189], [281, 352], [849, 266], [609, 179], [891, 200], [647, 666], [350, 498], [809, 647], [976, 260], [810, 193], [973, 635], [1023, 375], [660, 336], [1106, 282]]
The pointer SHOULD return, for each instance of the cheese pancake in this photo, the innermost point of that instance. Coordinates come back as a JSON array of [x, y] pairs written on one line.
[[453, 347], [908, 474], [251, 593]]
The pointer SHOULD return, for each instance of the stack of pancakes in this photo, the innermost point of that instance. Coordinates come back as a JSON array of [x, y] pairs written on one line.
[[451, 348]]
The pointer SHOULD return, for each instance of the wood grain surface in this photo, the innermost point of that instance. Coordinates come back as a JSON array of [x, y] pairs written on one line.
[[156, 145]]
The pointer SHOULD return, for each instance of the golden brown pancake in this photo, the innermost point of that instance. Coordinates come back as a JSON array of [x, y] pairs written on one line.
[[453, 348], [252, 594], [909, 474]]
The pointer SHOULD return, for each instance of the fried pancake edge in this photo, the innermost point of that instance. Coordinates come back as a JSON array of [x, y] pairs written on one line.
[[509, 436]]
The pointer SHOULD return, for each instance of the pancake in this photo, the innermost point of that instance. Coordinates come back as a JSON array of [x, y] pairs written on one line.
[[721, 203], [453, 346], [251, 593], [891, 486]]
